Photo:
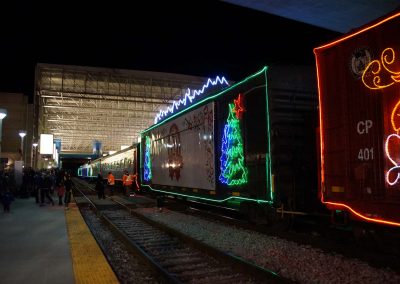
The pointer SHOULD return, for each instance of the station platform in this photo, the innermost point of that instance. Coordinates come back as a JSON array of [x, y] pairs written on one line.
[[49, 244]]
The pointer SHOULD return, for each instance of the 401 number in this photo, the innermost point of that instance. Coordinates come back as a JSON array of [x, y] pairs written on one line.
[[366, 154]]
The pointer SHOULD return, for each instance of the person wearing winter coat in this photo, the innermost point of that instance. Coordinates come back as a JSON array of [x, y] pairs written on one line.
[[45, 189], [111, 183], [68, 187], [6, 199], [60, 192], [100, 187], [126, 183]]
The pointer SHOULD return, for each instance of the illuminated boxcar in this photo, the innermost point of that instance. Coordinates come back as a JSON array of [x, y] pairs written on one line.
[[359, 96], [250, 146]]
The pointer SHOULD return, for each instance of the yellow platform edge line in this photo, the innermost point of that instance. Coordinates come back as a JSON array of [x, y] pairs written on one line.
[[88, 260]]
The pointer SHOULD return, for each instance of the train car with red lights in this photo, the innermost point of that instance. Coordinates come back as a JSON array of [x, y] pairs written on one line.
[[359, 97], [249, 146]]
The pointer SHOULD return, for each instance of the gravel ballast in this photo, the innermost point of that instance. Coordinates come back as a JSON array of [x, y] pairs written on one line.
[[301, 263]]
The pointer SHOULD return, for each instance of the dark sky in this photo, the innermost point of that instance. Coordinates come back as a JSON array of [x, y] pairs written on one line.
[[204, 38]]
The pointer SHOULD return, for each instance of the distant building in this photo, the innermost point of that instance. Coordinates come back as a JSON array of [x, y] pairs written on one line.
[[19, 117]]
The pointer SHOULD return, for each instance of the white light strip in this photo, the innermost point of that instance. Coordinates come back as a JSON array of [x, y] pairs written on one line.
[[189, 95]]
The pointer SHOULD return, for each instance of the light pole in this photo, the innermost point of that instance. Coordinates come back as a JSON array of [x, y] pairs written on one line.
[[3, 114], [33, 160], [22, 134]]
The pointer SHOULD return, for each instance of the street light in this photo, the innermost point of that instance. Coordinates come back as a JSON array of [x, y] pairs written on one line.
[[3, 114], [33, 160], [22, 134]]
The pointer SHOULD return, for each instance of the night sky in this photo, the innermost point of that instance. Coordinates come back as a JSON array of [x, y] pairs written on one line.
[[202, 38]]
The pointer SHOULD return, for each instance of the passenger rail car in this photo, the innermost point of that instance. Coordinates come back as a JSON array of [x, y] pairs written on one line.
[[250, 147], [359, 97], [117, 163]]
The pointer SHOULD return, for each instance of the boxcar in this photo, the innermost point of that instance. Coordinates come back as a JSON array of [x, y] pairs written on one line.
[[250, 147], [359, 98]]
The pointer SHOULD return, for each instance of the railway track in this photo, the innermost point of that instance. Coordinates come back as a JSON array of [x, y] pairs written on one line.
[[178, 258], [325, 237]]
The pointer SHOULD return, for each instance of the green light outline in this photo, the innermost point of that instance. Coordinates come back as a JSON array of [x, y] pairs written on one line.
[[141, 168], [268, 166], [148, 165], [238, 149], [267, 160], [206, 99], [207, 199]]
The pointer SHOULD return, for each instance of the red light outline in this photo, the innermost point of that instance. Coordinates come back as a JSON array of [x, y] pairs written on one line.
[[394, 111], [239, 108], [380, 221], [357, 33]]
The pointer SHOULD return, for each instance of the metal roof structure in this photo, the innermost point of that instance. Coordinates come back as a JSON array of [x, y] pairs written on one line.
[[80, 105], [338, 15]]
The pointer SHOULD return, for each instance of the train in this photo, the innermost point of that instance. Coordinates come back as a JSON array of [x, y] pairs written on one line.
[[287, 140], [117, 163], [358, 85], [248, 146]]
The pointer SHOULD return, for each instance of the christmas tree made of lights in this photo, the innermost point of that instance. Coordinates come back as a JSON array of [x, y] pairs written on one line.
[[233, 171], [147, 160]]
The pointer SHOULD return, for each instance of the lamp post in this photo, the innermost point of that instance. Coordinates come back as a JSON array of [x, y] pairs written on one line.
[[33, 160], [3, 114], [22, 134]]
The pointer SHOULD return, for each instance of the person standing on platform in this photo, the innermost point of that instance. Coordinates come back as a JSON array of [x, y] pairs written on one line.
[[133, 187], [36, 185], [6, 199], [100, 187], [125, 182], [45, 189], [111, 183], [60, 191], [68, 187]]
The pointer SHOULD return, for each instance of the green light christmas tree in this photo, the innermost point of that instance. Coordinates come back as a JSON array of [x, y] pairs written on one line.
[[233, 171]]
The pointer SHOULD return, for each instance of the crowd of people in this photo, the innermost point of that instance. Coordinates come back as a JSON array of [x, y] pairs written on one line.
[[42, 185], [45, 185]]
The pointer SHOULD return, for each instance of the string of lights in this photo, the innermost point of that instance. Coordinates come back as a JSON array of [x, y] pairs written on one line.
[[190, 95]]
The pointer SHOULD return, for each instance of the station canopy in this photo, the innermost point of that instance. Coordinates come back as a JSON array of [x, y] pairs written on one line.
[[82, 105]]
